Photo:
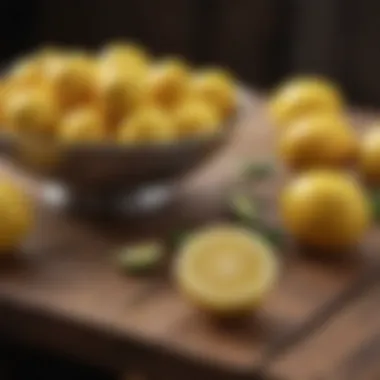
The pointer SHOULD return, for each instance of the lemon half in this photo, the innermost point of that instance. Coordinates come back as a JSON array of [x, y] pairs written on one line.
[[226, 269]]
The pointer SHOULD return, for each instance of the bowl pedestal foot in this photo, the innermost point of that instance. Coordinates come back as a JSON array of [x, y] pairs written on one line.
[[110, 203]]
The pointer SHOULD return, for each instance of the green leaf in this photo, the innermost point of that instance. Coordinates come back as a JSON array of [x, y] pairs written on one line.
[[258, 170], [243, 207], [273, 234], [140, 258], [375, 204], [177, 237]]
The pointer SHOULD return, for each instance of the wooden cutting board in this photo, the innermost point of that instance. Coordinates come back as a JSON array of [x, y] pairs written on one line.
[[346, 348], [64, 292]]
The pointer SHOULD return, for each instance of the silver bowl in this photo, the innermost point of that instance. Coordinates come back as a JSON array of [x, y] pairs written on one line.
[[109, 169]]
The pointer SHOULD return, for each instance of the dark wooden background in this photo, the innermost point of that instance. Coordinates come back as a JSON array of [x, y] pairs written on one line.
[[261, 40]]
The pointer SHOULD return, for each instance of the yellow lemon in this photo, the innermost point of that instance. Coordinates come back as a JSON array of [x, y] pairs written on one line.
[[72, 79], [369, 155], [325, 208], [31, 111], [124, 54], [147, 125], [118, 93], [303, 96], [216, 87], [30, 70], [167, 82], [16, 215], [318, 141], [26, 72], [226, 269], [48, 57], [196, 118], [84, 125], [3, 97]]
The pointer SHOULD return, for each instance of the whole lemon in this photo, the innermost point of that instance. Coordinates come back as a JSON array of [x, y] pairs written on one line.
[[369, 155], [16, 215], [82, 125], [31, 111], [318, 141], [216, 87], [149, 124], [48, 57], [304, 96], [25, 73], [3, 97], [30, 70], [123, 54], [72, 78], [118, 93], [167, 82], [196, 118], [325, 208]]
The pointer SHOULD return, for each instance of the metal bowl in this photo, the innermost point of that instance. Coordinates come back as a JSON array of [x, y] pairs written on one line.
[[107, 165], [87, 170]]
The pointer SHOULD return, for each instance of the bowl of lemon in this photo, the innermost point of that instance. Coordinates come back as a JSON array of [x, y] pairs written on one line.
[[112, 121]]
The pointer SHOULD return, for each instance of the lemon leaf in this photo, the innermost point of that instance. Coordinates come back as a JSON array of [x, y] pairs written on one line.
[[141, 257], [375, 204], [273, 234], [177, 237], [243, 207], [258, 170]]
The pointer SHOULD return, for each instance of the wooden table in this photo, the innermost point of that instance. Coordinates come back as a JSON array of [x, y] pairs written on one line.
[[65, 294]]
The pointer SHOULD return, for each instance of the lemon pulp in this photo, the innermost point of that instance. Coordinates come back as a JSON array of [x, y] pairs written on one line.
[[226, 269]]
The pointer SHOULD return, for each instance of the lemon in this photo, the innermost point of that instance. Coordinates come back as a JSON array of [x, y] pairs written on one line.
[[196, 118], [147, 125], [16, 215], [124, 54], [369, 155], [26, 72], [226, 269], [303, 96], [48, 57], [167, 82], [82, 125], [31, 111], [30, 70], [127, 61], [72, 78], [118, 93], [318, 141], [325, 208], [3, 97], [216, 87]]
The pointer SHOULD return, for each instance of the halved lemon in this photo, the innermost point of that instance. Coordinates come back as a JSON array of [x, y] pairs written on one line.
[[226, 269]]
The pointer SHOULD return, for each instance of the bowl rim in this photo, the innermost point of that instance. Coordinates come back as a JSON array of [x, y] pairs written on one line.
[[118, 147]]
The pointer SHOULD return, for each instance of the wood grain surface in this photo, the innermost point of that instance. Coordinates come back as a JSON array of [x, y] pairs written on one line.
[[64, 292], [345, 348]]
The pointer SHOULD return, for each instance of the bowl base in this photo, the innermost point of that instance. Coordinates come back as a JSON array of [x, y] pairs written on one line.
[[109, 204]]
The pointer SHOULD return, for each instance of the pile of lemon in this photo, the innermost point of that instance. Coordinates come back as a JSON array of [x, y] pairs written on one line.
[[119, 94], [324, 204]]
